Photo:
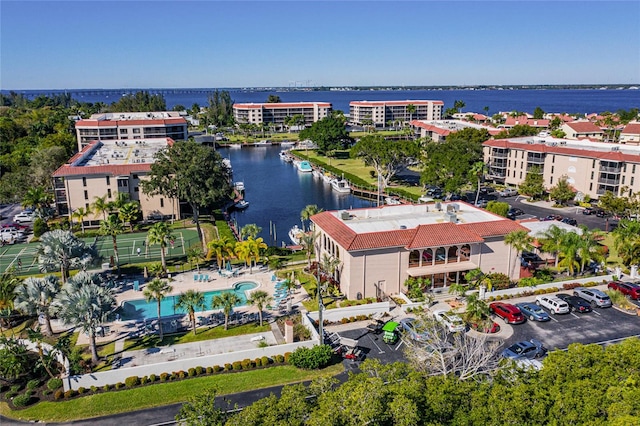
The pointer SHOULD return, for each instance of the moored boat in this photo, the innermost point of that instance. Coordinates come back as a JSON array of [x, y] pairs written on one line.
[[294, 235], [241, 205], [304, 166], [263, 143], [341, 186]]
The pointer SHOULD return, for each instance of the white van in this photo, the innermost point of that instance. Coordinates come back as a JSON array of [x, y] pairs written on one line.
[[553, 304]]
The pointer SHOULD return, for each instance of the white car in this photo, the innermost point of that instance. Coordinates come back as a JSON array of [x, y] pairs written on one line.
[[554, 304], [23, 217], [452, 321], [508, 192]]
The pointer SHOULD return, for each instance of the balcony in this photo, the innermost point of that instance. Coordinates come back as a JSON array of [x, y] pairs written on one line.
[[609, 181], [609, 169], [535, 160], [499, 154]]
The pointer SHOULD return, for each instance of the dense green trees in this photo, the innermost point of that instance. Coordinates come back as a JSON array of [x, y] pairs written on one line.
[[220, 110], [562, 192], [533, 183], [141, 101], [329, 134], [447, 164]]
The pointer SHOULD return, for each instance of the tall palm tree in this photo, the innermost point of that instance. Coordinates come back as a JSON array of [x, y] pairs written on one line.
[[307, 212], [226, 301], [122, 199], [552, 241], [80, 213], [250, 230], [100, 205], [157, 290], [128, 213], [112, 227], [589, 248], [191, 301], [260, 299], [627, 241], [570, 245], [61, 250], [220, 248], [85, 304], [477, 171], [477, 309], [329, 264], [518, 240], [35, 297], [307, 241], [38, 198], [160, 234], [242, 252], [411, 109], [195, 254], [255, 246]]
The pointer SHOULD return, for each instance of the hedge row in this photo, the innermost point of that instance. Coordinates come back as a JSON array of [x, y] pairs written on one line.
[[566, 286], [133, 381]]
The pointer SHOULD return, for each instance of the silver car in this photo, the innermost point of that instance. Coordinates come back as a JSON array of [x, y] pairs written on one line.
[[594, 296]]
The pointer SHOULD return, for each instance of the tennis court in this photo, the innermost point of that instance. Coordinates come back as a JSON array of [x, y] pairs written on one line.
[[132, 248]]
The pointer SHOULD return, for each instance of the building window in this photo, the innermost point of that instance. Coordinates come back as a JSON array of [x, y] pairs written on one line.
[[633, 169], [86, 195], [631, 181], [551, 180], [108, 180], [161, 202], [86, 205], [591, 186], [552, 169], [520, 174], [84, 181], [623, 179], [136, 130], [592, 172], [553, 158], [108, 192], [136, 189], [135, 176], [593, 164]]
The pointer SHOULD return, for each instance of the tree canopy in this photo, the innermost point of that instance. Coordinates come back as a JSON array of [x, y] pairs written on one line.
[[447, 164], [533, 184], [141, 101], [386, 157], [220, 110], [329, 134]]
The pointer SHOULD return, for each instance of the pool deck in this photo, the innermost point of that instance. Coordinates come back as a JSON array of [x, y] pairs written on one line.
[[119, 330]]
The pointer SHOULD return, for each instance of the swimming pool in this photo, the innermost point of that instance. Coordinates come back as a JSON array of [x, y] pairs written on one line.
[[141, 309]]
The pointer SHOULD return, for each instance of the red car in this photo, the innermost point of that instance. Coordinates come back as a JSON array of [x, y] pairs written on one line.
[[508, 312], [630, 290], [492, 327], [16, 226]]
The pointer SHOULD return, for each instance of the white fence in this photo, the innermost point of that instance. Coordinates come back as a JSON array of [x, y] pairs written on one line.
[[112, 377], [336, 315]]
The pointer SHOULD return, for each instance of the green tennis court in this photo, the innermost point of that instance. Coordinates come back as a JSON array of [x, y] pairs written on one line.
[[132, 248]]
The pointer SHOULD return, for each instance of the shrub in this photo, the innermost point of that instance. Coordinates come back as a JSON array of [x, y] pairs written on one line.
[[70, 394], [191, 372], [120, 385], [32, 384], [15, 388], [569, 286], [279, 359], [39, 227], [228, 367], [94, 389], [209, 370], [46, 392], [59, 394], [106, 388], [499, 281], [10, 394], [217, 369], [81, 390], [310, 359], [199, 370], [247, 364], [182, 374], [132, 381], [344, 320], [257, 362], [22, 400], [144, 380], [352, 319], [164, 377], [237, 365], [286, 356], [264, 361], [153, 378]]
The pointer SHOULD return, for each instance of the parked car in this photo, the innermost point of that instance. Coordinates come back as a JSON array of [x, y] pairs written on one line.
[[589, 211], [602, 213], [515, 211], [533, 312], [486, 327], [576, 304], [508, 192], [482, 203], [508, 312], [594, 296], [15, 225], [631, 290], [552, 217], [570, 221], [23, 217], [452, 321], [529, 349], [458, 197], [408, 326], [553, 304]]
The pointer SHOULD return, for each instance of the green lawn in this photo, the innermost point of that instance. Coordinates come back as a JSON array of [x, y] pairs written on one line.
[[115, 402]]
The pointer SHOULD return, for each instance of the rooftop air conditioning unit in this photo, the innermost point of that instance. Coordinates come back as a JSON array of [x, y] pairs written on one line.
[[451, 217], [344, 215], [439, 206], [615, 148]]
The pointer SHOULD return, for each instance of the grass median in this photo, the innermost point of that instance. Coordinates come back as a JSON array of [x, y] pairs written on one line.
[[115, 402]]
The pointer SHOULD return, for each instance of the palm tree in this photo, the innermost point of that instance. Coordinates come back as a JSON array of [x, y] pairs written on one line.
[[243, 252], [477, 171], [100, 205], [226, 301], [8, 284], [35, 296], [63, 251], [250, 230], [307, 212], [84, 304], [627, 241], [160, 233], [220, 248], [122, 199], [411, 109], [157, 290], [458, 105], [477, 309], [112, 227], [195, 254], [518, 240], [260, 299], [254, 247], [552, 241], [570, 246], [330, 264], [38, 198], [589, 249], [307, 241], [190, 301], [128, 213], [80, 213]]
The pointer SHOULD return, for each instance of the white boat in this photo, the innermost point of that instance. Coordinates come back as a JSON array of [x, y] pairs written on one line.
[[238, 186], [304, 166], [307, 144], [294, 235], [317, 174], [241, 205], [263, 143], [341, 186], [287, 143], [390, 201], [326, 178], [283, 155], [235, 145]]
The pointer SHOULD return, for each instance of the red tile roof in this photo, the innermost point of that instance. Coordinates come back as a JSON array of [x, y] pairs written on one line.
[[524, 120], [107, 169], [276, 105], [381, 103], [125, 123], [431, 128], [584, 127], [441, 234], [632, 129], [563, 150]]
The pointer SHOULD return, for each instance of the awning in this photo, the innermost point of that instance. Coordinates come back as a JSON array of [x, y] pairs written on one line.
[[442, 268]]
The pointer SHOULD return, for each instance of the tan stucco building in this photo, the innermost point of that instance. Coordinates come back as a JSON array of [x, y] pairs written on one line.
[[107, 168], [382, 112], [591, 167], [277, 112], [379, 248], [113, 126]]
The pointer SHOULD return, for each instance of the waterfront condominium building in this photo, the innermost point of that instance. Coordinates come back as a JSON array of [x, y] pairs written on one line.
[[107, 168], [131, 125], [591, 167], [277, 112], [382, 112], [378, 249]]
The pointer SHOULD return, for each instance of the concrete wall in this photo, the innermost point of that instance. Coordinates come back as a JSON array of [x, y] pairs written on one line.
[[115, 376], [335, 315]]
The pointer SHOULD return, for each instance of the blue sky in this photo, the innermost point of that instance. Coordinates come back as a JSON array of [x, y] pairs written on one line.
[[137, 44]]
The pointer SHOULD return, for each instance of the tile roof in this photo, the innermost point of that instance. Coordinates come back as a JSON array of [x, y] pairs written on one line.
[[381, 103], [563, 150], [632, 129], [441, 234], [584, 127], [106, 169], [125, 123], [431, 128], [276, 105]]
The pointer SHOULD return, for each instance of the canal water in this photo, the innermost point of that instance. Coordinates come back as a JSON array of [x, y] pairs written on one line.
[[277, 192]]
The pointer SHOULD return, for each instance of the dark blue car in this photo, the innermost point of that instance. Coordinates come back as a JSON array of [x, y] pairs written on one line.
[[533, 311]]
